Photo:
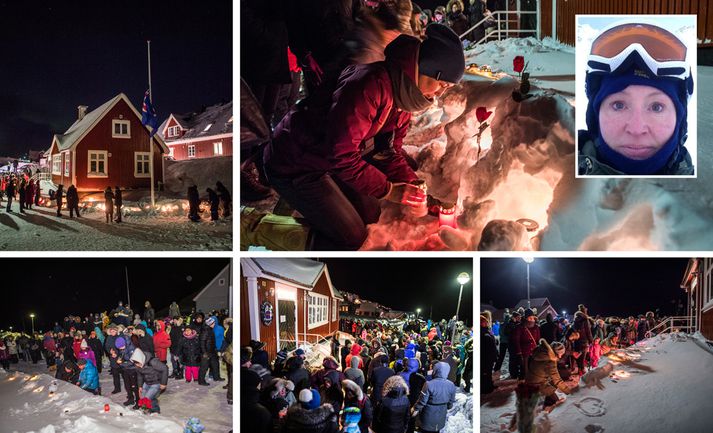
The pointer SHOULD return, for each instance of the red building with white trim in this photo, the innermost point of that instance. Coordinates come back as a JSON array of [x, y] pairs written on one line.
[[199, 135], [106, 147]]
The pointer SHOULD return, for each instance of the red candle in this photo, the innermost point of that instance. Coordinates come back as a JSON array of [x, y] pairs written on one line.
[[447, 215], [106, 407]]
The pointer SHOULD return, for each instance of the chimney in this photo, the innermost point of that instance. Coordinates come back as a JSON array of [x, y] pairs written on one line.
[[81, 112]]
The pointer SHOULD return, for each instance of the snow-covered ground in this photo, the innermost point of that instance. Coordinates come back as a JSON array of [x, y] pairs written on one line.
[[26, 405], [40, 229], [660, 385]]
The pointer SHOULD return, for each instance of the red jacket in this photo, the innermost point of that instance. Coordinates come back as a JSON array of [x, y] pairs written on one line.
[[307, 141], [161, 342], [525, 340]]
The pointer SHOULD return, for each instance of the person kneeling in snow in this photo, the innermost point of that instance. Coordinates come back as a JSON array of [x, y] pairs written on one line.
[[88, 378], [335, 162], [152, 377], [542, 372]]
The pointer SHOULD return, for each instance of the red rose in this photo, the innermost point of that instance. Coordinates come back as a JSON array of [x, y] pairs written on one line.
[[518, 63], [482, 114]]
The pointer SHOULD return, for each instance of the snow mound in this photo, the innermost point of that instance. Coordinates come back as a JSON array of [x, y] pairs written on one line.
[[460, 417]]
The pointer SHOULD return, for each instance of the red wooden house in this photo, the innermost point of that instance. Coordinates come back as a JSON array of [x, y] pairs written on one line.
[[106, 147], [200, 135], [286, 302]]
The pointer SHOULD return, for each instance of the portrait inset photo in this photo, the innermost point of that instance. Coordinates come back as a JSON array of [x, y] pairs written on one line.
[[636, 95]]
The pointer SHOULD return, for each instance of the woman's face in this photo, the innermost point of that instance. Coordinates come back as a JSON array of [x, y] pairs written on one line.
[[638, 121]]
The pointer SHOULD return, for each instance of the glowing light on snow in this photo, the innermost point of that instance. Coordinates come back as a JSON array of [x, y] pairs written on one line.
[[34, 378], [447, 215], [622, 374], [39, 389]]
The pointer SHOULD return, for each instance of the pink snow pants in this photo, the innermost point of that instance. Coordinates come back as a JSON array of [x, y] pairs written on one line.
[[191, 373]]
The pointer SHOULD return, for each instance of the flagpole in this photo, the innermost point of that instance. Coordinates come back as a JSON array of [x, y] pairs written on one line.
[[153, 200]]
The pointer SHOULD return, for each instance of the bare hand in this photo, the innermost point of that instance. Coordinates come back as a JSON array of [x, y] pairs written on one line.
[[406, 194]]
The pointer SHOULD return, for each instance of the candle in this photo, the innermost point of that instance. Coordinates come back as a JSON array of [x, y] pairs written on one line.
[[447, 215], [106, 407]]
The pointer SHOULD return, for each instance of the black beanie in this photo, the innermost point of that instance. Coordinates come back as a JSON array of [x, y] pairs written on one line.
[[441, 54]]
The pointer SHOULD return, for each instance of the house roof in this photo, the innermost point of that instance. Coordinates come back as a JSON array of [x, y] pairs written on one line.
[[214, 120], [225, 268], [302, 272], [538, 303], [81, 127]]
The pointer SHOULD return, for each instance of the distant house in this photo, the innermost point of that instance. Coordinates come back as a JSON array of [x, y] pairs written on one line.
[[542, 305], [216, 294], [106, 147], [199, 135], [698, 283], [286, 302]]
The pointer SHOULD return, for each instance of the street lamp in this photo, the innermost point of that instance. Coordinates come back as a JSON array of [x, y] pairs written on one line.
[[418, 311], [462, 279], [528, 260], [32, 317]]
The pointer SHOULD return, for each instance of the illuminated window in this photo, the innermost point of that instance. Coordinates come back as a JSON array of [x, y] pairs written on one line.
[[57, 164], [66, 163], [191, 151], [141, 164], [318, 314], [218, 148]]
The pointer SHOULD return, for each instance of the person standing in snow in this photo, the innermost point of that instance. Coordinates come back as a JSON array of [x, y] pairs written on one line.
[[189, 353], [337, 176], [214, 204], [88, 378], [125, 349], [38, 193], [524, 341], [109, 204], [209, 355], [488, 356], [161, 342], [85, 352], [152, 377], [225, 199], [58, 197], [194, 202], [4, 356], [113, 352], [176, 335], [29, 194], [173, 310], [149, 314], [22, 190], [118, 203], [73, 201], [437, 396]]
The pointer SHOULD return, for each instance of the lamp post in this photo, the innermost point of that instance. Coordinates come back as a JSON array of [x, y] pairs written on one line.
[[528, 260], [32, 317], [462, 279], [418, 311]]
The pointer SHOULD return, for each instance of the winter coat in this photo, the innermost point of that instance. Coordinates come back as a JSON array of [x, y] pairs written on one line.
[[437, 396], [161, 342], [584, 327], [153, 372], [548, 330], [118, 200], [377, 379], [679, 164], [354, 373], [542, 371], [97, 348], [641, 329], [410, 366], [108, 201], [174, 310], [71, 377], [450, 359], [595, 352], [489, 351], [176, 336], [393, 411], [149, 316], [320, 420], [87, 354], [297, 374], [458, 22], [126, 354], [260, 420], [190, 351], [524, 340], [328, 364], [4, 353], [89, 377], [213, 200], [416, 381], [207, 341], [361, 113], [219, 332], [72, 196], [49, 344]]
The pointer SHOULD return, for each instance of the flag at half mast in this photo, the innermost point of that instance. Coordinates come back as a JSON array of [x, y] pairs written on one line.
[[148, 114]]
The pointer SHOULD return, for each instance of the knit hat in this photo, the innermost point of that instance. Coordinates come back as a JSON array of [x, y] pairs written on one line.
[[309, 398], [120, 342], [299, 352], [558, 348], [211, 320], [529, 313], [281, 355], [441, 54]]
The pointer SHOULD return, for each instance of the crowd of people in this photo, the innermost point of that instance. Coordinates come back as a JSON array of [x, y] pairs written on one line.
[[388, 377], [18, 187], [552, 353], [138, 350], [218, 198]]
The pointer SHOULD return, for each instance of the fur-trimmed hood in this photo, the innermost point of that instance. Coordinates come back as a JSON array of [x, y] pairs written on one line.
[[330, 363], [354, 388], [395, 383], [301, 419], [544, 352]]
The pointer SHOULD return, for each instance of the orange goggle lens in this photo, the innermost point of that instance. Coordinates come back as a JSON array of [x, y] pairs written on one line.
[[661, 44]]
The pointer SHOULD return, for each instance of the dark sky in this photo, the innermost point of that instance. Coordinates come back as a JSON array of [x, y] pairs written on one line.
[[53, 288], [56, 55], [607, 286], [407, 284]]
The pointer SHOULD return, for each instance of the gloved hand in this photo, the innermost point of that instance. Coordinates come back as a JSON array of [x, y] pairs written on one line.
[[312, 70], [406, 194]]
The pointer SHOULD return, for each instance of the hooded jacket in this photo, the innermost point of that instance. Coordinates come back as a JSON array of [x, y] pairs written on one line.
[[328, 364], [542, 371], [354, 373], [152, 371], [89, 377], [437, 396], [524, 340], [361, 401], [320, 420], [393, 412], [363, 114], [190, 351], [161, 342]]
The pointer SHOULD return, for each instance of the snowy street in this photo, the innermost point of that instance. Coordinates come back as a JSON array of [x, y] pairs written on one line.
[[27, 405], [659, 385], [40, 229]]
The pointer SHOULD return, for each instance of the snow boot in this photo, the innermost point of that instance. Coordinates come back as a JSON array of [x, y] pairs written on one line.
[[128, 402], [116, 391], [274, 232], [204, 383]]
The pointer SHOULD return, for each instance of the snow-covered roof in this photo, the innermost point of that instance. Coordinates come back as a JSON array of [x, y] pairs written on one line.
[[81, 127], [214, 120], [301, 272]]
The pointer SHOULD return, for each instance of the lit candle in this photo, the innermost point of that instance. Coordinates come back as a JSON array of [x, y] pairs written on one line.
[[447, 215]]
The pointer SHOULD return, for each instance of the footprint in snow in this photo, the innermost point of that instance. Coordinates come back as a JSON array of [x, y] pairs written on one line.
[[594, 428]]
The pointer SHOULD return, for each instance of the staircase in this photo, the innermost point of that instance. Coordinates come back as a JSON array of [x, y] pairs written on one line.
[[502, 29], [673, 324]]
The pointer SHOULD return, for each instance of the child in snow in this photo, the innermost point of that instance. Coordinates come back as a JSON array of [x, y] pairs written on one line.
[[88, 378], [595, 352], [86, 353]]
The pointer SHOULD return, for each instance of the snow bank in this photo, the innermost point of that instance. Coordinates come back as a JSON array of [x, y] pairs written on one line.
[[460, 417], [203, 172], [659, 385]]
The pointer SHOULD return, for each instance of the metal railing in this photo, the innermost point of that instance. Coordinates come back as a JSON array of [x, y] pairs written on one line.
[[502, 25], [673, 324]]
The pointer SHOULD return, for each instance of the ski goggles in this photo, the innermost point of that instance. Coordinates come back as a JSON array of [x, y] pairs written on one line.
[[647, 45]]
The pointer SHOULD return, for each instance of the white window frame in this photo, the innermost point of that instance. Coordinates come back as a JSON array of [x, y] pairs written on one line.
[[318, 310], [170, 151], [173, 131], [104, 157], [67, 163], [116, 122], [57, 164], [191, 154], [218, 148], [144, 159], [335, 308]]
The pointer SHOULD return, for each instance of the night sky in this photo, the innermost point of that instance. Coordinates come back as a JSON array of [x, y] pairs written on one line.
[[53, 288], [58, 55], [607, 286], [407, 284]]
